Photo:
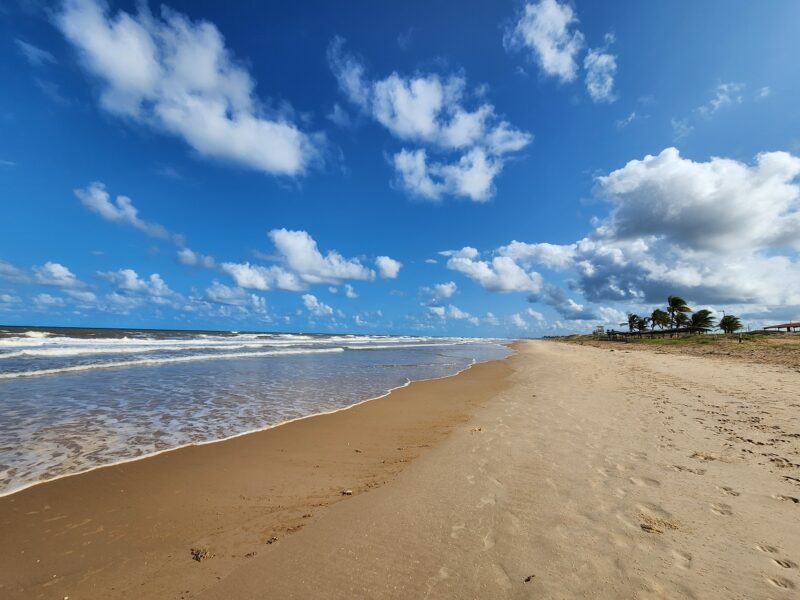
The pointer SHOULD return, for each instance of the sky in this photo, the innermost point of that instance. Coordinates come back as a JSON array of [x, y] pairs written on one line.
[[438, 168]]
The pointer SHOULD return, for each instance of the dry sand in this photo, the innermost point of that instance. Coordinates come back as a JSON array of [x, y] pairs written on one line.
[[582, 473]]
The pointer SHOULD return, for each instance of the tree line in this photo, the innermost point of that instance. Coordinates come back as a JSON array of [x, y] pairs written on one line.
[[678, 315]]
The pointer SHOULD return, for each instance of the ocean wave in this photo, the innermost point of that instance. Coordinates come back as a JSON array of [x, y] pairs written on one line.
[[161, 361]]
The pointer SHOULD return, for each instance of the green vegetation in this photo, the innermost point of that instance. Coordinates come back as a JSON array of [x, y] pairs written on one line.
[[730, 324], [678, 315]]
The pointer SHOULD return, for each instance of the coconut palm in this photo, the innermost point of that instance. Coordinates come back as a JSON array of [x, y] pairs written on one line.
[[677, 306], [703, 319], [632, 322], [730, 324], [642, 323], [659, 318]]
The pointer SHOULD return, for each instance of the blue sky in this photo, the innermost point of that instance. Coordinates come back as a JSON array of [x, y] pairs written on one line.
[[513, 168]]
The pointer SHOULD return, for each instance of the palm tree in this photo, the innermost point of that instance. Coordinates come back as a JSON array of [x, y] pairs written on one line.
[[632, 322], [730, 324], [660, 318], [703, 319], [677, 306]]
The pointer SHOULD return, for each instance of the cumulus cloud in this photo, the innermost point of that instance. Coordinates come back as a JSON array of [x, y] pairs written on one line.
[[430, 110], [120, 210], [177, 75], [315, 307], [229, 296], [565, 306], [57, 275], [350, 292], [301, 255], [720, 204], [454, 312], [263, 278], [518, 321], [718, 231], [388, 268], [500, 274], [553, 256], [128, 282], [189, 257], [547, 29]]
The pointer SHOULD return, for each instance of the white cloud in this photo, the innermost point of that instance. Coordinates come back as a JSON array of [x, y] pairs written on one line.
[[429, 110], [47, 301], [258, 277], [764, 92], [97, 199], [57, 275], [491, 319], [315, 307], [83, 296], [680, 128], [222, 294], [189, 257], [518, 322], [350, 292], [718, 232], [388, 268], [128, 282], [445, 290], [439, 311], [33, 54], [553, 256], [535, 314], [12, 273], [724, 94], [301, 255], [177, 75], [547, 29], [623, 123], [501, 274], [721, 204], [601, 67], [456, 313]]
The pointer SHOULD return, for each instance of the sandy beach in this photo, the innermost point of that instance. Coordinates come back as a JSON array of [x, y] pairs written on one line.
[[561, 472]]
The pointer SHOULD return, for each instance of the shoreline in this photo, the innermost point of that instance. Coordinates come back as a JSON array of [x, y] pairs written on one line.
[[295, 468], [6, 494]]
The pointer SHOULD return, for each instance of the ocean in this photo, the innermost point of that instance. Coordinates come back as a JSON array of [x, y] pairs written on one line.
[[76, 399]]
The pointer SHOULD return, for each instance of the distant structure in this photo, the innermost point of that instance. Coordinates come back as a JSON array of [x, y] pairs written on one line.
[[787, 326]]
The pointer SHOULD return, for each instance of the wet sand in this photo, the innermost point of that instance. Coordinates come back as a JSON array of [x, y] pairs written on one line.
[[561, 472], [127, 531]]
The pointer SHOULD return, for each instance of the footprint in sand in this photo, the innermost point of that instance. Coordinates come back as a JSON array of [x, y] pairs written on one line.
[[644, 481], [683, 560], [783, 498], [729, 491], [780, 582], [722, 510], [766, 548], [786, 564]]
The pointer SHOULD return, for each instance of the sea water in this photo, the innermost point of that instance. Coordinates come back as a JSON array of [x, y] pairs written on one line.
[[74, 400]]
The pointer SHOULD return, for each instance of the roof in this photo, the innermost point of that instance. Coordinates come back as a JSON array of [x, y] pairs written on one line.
[[783, 325]]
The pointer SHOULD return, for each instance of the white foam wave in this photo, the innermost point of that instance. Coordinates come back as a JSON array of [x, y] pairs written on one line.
[[161, 361]]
